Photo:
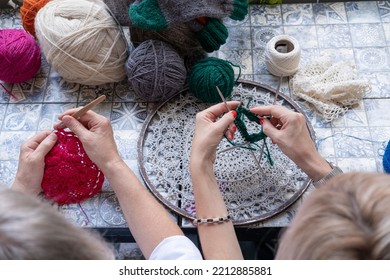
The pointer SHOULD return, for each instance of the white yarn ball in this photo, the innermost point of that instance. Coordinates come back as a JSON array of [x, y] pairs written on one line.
[[82, 41], [282, 55]]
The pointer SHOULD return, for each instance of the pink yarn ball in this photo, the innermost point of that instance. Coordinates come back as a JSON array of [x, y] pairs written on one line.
[[20, 56]]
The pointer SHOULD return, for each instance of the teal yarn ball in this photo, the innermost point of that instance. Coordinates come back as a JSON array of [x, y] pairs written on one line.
[[209, 73]]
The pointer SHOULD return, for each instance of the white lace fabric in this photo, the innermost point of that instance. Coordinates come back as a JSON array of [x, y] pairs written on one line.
[[332, 88], [252, 191]]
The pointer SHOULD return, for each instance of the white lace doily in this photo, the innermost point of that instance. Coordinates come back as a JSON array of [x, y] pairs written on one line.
[[253, 189]]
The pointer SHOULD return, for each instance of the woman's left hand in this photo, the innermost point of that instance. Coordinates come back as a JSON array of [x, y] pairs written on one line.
[[209, 131], [32, 162]]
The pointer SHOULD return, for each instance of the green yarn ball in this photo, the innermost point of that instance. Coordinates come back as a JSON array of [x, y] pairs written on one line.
[[209, 73]]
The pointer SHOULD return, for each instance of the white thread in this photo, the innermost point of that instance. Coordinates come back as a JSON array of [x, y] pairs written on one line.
[[82, 41], [282, 55]]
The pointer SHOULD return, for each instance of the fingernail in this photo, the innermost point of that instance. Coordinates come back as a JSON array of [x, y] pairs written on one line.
[[261, 120], [234, 113], [234, 128], [202, 20], [61, 125], [53, 137]]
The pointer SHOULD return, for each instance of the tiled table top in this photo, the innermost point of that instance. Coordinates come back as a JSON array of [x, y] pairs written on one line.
[[357, 31]]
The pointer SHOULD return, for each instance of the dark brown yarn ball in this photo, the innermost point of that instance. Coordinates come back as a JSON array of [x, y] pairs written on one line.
[[156, 71]]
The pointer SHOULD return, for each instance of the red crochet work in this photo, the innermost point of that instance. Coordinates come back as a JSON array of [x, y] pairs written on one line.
[[70, 176]]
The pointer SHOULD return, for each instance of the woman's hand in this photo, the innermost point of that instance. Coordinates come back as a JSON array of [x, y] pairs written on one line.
[[96, 134], [288, 130], [209, 131], [32, 162]]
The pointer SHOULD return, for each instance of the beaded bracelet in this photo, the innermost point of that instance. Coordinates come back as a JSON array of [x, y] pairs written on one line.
[[211, 220]]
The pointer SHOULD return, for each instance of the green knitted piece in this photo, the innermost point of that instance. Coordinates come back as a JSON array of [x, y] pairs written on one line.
[[240, 10], [147, 15], [251, 138], [239, 121], [161, 14], [213, 35]]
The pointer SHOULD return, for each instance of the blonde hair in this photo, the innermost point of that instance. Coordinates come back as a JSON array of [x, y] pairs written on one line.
[[32, 229], [349, 218]]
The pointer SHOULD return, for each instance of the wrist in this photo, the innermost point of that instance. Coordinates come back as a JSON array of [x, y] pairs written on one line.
[[19, 186], [200, 165], [335, 171], [314, 165]]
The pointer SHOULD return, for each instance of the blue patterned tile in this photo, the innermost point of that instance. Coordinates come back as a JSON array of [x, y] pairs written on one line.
[[4, 95], [339, 54], [308, 55], [353, 142], [261, 35], [236, 23], [10, 142], [266, 15], [329, 13], [386, 28], [384, 10], [334, 36], [380, 84], [58, 90], [22, 117], [367, 35], [357, 164], [10, 18], [31, 91], [8, 170], [242, 58], [362, 12], [259, 66], [297, 14], [126, 141], [124, 92], [50, 113], [89, 93], [103, 108], [324, 142], [354, 117], [128, 116], [3, 108], [239, 38], [378, 112], [305, 34], [372, 59]]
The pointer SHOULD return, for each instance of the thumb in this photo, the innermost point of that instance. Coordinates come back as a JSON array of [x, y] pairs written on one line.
[[75, 126], [46, 145], [269, 129]]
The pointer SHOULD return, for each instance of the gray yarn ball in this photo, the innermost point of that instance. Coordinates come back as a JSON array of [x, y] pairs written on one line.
[[156, 71]]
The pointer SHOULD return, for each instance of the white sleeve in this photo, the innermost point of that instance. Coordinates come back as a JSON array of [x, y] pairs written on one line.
[[177, 247]]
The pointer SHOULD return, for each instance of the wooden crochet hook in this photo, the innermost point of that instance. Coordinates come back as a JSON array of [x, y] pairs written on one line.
[[88, 107], [84, 109]]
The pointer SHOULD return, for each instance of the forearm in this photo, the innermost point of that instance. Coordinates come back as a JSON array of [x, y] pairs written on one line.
[[314, 165], [147, 219], [218, 240]]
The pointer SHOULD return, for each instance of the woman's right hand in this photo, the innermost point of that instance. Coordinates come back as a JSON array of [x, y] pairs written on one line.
[[96, 134], [288, 130]]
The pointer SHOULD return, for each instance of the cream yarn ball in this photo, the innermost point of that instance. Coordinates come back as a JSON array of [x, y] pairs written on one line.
[[81, 41]]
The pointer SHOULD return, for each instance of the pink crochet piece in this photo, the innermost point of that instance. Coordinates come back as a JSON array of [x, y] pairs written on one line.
[[70, 176]]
